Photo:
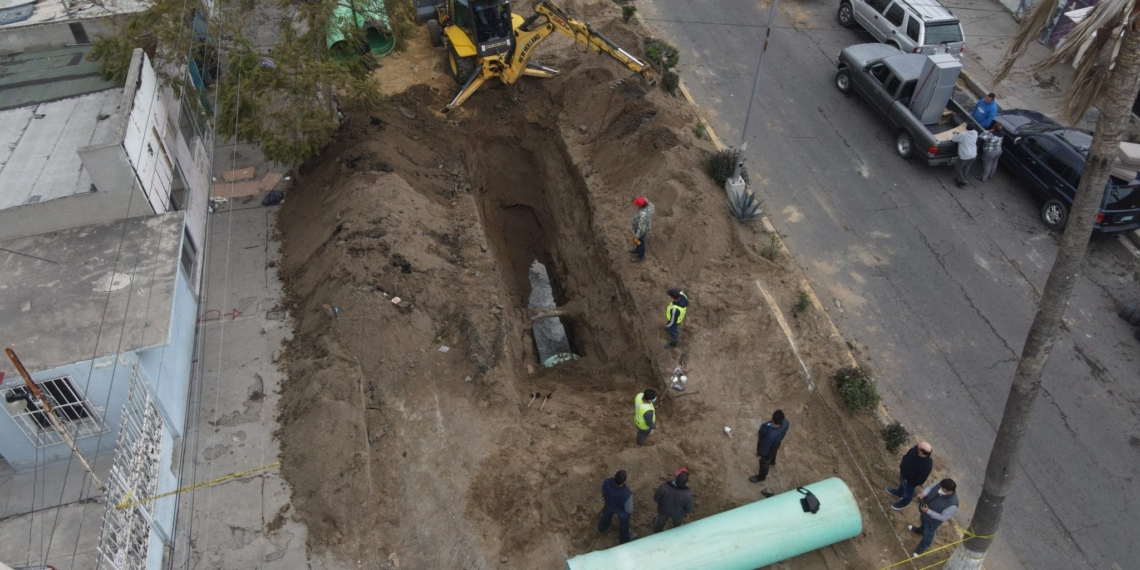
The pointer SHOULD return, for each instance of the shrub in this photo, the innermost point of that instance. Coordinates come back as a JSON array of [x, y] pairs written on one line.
[[895, 436], [627, 12], [720, 165], [803, 302], [856, 388], [701, 130], [670, 81], [772, 252], [662, 53]]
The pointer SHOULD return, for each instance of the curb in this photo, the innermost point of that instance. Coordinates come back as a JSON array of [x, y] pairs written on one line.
[[976, 88]]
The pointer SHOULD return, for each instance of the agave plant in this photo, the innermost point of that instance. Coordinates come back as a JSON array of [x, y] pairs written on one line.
[[745, 206]]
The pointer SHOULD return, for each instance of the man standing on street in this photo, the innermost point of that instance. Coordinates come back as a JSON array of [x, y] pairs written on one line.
[[645, 417], [967, 151], [674, 501], [771, 434], [618, 500], [937, 507], [991, 150], [985, 111], [675, 315], [913, 471], [642, 221]]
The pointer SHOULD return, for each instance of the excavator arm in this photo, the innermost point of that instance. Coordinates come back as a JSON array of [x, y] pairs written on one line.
[[547, 19], [587, 36]]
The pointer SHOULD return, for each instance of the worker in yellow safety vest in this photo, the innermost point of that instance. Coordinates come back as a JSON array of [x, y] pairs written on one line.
[[645, 417], [675, 315]]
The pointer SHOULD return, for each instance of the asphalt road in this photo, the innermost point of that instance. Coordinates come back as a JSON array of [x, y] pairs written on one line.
[[937, 285]]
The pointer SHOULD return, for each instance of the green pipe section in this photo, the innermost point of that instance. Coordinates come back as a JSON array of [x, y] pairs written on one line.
[[745, 538], [368, 15]]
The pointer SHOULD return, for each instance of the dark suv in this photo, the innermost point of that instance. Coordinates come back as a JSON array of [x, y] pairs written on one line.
[[1051, 158]]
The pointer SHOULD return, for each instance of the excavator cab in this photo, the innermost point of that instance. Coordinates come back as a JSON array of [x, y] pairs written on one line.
[[491, 26]]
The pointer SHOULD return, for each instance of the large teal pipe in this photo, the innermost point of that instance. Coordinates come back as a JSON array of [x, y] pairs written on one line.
[[745, 538]]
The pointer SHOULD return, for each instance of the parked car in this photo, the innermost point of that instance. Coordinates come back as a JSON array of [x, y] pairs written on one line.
[[886, 78], [1050, 158], [913, 26]]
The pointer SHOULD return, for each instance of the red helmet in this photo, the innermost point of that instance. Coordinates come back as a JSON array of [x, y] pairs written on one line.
[[640, 201]]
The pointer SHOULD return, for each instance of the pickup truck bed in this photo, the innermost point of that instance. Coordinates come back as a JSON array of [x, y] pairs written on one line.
[[885, 78]]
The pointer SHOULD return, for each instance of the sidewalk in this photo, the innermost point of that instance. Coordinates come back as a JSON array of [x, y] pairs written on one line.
[[244, 522], [989, 29]]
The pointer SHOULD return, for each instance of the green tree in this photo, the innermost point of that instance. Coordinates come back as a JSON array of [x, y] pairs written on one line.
[[284, 101]]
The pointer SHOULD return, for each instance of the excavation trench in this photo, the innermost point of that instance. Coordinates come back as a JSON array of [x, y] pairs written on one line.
[[533, 206]]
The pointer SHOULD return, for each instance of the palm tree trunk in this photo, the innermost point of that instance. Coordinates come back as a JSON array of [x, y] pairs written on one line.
[[1001, 470]]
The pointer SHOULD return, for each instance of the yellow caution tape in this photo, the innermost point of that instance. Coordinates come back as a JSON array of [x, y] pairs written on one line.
[[128, 503], [968, 536]]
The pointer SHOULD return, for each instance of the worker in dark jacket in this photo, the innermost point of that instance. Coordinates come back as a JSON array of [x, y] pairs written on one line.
[[937, 507], [768, 444], [675, 315], [913, 471], [674, 501], [617, 500]]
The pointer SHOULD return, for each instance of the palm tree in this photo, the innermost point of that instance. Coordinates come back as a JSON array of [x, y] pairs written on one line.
[[1107, 47]]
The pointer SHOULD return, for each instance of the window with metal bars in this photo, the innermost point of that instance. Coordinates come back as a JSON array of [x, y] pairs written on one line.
[[74, 411]]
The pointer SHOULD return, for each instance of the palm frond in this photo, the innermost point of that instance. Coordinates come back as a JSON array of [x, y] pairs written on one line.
[[1105, 16], [1030, 27]]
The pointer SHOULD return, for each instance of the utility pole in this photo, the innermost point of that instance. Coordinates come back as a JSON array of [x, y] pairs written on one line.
[[735, 184], [1001, 470], [58, 425]]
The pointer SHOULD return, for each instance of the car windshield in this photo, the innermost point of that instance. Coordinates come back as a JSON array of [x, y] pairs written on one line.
[[944, 32], [1121, 197]]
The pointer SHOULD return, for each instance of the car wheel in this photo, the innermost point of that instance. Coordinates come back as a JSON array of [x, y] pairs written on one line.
[[846, 16], [904, 145], [843, 81], [1136, 334], [1134, 320], [461, 67], [1054, 214], [435, 33]]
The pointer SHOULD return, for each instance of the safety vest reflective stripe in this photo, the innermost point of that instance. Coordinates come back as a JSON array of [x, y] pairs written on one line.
[[641, 406], [669, 310]]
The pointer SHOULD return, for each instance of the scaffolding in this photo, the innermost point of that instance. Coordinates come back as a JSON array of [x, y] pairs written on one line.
[[125, 539]]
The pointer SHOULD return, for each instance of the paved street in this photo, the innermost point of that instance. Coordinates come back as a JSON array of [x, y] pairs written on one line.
[[937, 285]]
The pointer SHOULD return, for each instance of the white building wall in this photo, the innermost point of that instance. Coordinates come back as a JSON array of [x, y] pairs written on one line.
[[144, 140]]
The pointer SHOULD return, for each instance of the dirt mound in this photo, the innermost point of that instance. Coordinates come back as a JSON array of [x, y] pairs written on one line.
[[406, 425]]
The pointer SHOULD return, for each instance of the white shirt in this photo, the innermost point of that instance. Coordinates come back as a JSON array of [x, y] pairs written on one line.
[[967, 144]]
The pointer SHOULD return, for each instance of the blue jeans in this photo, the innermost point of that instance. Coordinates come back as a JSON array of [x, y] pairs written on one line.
[[928, 526], [905, 490], [639, 250], [674, 332], [623, 522]]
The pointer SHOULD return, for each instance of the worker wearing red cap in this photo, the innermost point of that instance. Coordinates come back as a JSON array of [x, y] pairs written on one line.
[[674, 501], [642, 221]]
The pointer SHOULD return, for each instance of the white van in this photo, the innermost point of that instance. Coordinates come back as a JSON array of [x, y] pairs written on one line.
[[913, 26]]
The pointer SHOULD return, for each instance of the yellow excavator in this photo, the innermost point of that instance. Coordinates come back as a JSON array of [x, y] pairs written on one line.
[[484, 40]]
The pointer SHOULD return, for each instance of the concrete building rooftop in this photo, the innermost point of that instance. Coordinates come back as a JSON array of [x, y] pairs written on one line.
[[48, 75], [93, 291], [39, 159], [19, 13]]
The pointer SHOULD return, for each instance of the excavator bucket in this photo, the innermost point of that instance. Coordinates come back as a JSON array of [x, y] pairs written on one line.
[[635, 86]]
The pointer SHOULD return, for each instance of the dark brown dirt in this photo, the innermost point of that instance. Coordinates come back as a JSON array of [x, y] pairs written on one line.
[[392, 446]]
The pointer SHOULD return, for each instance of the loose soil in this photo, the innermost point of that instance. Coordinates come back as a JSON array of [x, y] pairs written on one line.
[[406, 428]]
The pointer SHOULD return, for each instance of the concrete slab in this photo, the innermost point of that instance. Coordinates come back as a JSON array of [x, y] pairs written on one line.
[[245, 522]]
